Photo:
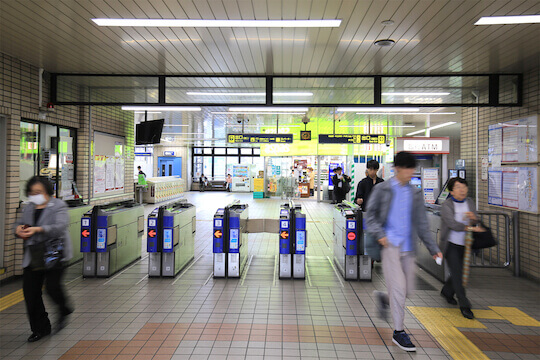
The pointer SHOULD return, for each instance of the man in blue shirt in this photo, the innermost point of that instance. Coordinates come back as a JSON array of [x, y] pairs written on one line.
[[396, 216]]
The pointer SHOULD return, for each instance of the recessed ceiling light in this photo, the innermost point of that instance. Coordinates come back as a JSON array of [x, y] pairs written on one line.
[[216, 23], [266, 109], [387, 22], [415, 93], [378, 109], [384, 42], [508, 20], [406, 113], [163, 108]]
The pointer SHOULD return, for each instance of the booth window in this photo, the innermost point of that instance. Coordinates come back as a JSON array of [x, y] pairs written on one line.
[[48, 150]]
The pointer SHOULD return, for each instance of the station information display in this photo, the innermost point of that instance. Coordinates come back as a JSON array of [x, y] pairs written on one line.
[[513, 156], [259, 138], [351, 139]]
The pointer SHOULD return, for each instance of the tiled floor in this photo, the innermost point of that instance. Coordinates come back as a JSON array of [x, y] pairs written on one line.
[[195, 316]]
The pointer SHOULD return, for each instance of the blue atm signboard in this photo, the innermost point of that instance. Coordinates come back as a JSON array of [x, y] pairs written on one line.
[[260, 138], [351, 139]]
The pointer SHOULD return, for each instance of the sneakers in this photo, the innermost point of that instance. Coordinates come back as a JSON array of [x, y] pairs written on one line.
[[403, 340], [382, 304]]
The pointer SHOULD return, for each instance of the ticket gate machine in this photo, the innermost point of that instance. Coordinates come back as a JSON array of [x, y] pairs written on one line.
[[292, 241], [170, 240], [111, 237], [230, 245], [349, 255]]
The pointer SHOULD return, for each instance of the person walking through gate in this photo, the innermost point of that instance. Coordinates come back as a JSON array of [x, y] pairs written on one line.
[[341, 185], [396, 216], [366, 185], [458, 215], [43, 220]]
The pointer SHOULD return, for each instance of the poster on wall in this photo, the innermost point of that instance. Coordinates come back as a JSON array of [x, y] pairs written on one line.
[[527, 187], [514, 188], [99, 174], [513, 141], [110, 169], [119, 176], [528, 139], [510, 141]]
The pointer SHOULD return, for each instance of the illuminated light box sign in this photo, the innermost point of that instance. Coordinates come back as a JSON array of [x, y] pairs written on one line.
[[259, 138], [424, 145], [351, 139]]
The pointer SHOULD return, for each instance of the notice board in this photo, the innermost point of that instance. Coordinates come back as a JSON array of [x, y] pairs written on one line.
[[108, 155]]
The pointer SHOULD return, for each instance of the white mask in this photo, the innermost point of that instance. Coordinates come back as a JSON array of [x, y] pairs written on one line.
[[37, 199]]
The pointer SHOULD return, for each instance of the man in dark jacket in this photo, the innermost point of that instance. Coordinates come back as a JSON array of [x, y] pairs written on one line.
[[341, 184], [366, 185]]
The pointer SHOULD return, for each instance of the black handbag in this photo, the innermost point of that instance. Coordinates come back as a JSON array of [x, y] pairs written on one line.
[[46, 255], [483, 240]]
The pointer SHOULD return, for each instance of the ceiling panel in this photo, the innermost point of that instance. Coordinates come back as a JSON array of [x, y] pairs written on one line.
[[431, 37]]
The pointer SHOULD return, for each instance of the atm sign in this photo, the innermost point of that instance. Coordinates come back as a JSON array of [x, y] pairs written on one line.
[[351, 236]]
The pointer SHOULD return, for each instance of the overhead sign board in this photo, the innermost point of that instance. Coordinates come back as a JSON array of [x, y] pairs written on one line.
[[351, 139], [423, 145], [259, 138]]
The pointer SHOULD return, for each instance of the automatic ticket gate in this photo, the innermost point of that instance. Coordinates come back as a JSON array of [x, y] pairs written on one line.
[[349, 256], [170, 240], [292, 241], [111, 237], [230, 236]]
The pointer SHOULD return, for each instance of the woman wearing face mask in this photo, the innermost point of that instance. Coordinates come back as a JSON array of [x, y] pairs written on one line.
[[458, 215], [42, 219]]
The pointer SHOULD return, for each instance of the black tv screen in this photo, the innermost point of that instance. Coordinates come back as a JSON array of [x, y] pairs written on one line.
[[149, 132]]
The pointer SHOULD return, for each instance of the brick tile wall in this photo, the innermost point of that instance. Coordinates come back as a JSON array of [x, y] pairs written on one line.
[[19, 99], [529, 224]]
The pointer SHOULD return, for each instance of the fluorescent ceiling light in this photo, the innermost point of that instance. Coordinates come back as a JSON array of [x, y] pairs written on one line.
[[415, 93], [165, 133], [216, 23], [407, 113], [294, 94], [432, 128], [256, 113], [267, 109], [508, 20], [194, 93], [148, 112], [392, 126], [376, 109], [173, 125], [163, 108]]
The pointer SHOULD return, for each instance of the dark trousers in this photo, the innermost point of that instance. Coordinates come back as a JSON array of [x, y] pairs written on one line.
[[32, 285], [454, 284], [339, 196]]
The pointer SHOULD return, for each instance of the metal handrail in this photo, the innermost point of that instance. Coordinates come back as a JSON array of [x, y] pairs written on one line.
[[488, 261]]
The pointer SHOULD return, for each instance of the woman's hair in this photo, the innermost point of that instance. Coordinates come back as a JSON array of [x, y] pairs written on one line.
[[49, 188], [452, 182]]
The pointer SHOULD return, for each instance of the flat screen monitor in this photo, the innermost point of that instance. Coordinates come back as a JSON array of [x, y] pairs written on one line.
[[149, 132], [416, 181], [452, 173]]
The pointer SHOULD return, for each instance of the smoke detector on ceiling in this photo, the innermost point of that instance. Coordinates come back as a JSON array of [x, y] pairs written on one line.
[[385, 42]]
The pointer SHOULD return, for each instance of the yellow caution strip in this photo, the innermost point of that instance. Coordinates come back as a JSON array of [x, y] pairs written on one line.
[[441, 323], [515, 316], [11, 299]]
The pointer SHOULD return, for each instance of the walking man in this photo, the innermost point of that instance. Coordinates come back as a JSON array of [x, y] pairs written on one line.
[[396, 216]]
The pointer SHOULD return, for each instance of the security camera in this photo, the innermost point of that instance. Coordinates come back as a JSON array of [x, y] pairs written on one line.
[[305, 120], [388, 142], [239, 120]]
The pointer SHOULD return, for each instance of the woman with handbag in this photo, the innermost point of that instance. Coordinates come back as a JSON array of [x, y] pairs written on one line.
[[43, 226], [458, 215]]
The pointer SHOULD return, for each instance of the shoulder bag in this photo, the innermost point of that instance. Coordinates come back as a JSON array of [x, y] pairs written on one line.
[[483, 240]]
